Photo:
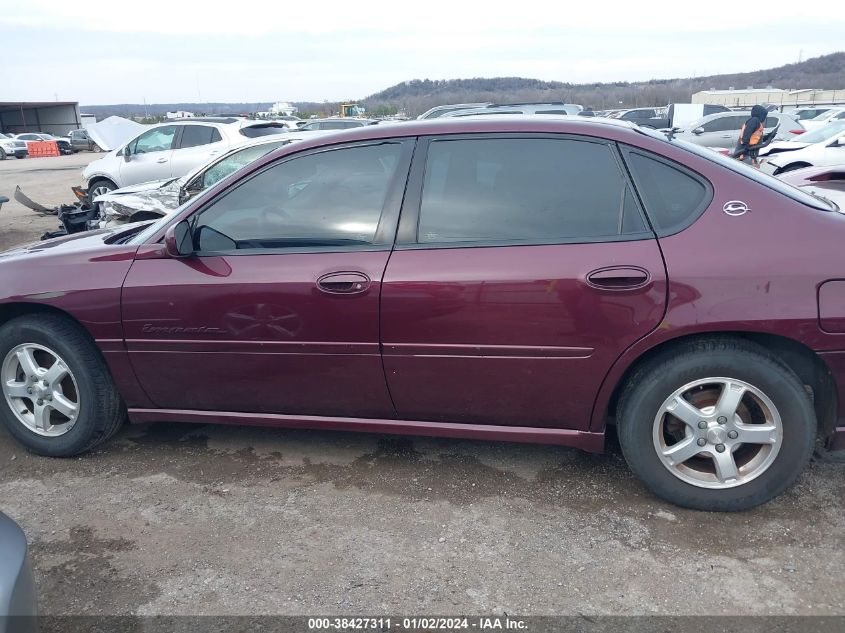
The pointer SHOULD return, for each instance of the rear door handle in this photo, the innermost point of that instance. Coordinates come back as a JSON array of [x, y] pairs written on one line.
[[344, 283], [619, 278]]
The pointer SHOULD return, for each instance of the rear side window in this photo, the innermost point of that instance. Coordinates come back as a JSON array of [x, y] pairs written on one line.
[[673, 198], [195, 135], [524, 191]]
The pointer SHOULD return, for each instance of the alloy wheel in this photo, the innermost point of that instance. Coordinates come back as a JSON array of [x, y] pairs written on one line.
[[717, 433], [40, 389]]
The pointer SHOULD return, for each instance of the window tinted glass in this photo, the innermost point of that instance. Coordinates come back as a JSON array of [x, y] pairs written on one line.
[[332, 198], [523, 190], [671, 197], [725, 124], [194, 135], [157, 140]]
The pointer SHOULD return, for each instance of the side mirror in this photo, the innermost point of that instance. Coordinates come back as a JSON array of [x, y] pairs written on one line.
[[178, 241], [698, 130], [126, 153], [840, 142]]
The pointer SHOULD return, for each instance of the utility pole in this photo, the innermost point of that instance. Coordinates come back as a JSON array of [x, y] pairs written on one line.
[[800, 55]]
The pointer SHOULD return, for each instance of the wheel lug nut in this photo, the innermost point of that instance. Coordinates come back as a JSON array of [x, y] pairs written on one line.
[[720, 448], [40, 401], [29, 390], [701, 441], [721, 419], [702, 424], [733, 435]]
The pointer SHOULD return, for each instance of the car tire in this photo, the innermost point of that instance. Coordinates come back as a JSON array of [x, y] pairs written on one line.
[[2, 154], [773, 398], [86, 384], [98, 188]]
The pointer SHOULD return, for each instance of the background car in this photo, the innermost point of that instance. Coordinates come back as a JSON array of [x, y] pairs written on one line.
[[722, 129], [151, 200], [62, 143], [12, 147], [824, 181], [833, 114], [829, 130], [517, 108], [807, 112], [171, 149], [824, 153], [637, 115], [80, 141], [17, 586], [336, 123], [439, 111]]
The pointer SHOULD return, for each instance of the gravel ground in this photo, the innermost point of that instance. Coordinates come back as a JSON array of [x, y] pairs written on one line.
[[182, 519]]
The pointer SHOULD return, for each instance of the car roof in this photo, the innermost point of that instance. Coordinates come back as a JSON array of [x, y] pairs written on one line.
[[537, 124]]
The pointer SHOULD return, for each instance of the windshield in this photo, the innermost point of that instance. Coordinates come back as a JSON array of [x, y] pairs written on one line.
[[830, 130], [748, 171], [233, 162]]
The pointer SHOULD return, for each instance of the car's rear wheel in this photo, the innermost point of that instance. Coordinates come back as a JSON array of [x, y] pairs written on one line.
[[717, 424], [58, 396]]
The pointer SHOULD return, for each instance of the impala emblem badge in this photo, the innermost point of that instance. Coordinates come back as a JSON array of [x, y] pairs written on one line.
[[735, 208]]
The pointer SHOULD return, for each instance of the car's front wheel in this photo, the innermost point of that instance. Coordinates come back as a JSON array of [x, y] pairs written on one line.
[[100, 187], [717, 424], [58, 396]]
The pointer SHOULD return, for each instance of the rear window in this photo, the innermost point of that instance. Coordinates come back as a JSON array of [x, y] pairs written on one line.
[[673, 199], [749, 172]]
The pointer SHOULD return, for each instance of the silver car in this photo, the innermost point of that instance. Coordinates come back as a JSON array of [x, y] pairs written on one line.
[[722, 129], [518, 108], [17, 588]]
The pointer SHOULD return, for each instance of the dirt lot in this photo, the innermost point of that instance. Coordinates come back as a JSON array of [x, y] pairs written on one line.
[[171, 519]]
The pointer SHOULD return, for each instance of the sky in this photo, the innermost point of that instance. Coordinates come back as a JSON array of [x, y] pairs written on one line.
[[107, 52]]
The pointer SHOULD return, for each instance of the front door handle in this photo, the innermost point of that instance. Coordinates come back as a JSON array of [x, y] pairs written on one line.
[[344, 283], [619, 278], [161, 160]]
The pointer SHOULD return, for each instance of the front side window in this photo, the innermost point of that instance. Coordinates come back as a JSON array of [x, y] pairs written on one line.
[[327, 199], [196, 135], [155, 140], [524, 191]]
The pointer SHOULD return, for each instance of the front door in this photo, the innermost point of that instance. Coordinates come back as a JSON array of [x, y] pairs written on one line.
[[149, 156], [278, 310], [524, 268]]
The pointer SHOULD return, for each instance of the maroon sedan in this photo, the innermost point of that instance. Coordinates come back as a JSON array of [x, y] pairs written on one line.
[[523, 279]]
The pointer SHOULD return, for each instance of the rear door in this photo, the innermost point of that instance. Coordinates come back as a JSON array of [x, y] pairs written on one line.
[[197, 144], [722, 131], [523, 268]]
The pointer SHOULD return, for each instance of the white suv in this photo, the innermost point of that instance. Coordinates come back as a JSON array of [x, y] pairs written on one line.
[[171, 149]]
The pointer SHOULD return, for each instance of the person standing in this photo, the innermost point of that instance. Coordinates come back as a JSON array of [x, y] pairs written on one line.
[[751, 135]]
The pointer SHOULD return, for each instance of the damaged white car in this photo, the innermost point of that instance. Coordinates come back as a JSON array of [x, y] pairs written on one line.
[[154, 199], [171, 150]]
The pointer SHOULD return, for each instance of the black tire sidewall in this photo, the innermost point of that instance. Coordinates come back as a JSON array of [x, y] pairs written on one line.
[[779, 384], [78, 438]]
